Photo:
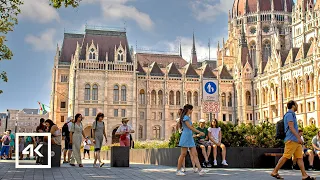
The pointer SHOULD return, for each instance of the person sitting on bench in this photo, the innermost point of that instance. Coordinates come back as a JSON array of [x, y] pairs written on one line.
[[203, 142], [306, 152], [316, 144]]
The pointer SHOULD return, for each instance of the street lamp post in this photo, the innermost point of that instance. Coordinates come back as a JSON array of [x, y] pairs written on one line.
[[7, 116]]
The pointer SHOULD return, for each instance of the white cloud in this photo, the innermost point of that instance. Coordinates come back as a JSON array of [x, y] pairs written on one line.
[[208, 10], [38, 11], [44, 42], [186, 45], [119, 10]]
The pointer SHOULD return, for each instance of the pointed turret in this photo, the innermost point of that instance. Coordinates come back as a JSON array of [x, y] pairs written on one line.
[[194, 59], [285, 6], [243, 40], [258, 5], [180, 50]]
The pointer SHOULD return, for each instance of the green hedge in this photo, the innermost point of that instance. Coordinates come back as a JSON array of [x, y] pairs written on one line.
[[248, 135]]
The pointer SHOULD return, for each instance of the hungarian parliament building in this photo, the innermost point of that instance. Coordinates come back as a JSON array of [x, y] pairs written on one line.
[[271, 56]]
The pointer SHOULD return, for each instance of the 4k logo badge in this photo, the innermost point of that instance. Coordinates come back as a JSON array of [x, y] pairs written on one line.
[[30, 149]]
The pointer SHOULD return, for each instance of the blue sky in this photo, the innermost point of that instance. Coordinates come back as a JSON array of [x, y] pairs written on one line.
[[153, 24]]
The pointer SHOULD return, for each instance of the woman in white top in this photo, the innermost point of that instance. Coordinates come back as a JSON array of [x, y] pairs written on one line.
[[215, 137]]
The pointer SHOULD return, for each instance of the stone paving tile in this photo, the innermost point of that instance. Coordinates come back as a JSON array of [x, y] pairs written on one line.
[[135, 172]]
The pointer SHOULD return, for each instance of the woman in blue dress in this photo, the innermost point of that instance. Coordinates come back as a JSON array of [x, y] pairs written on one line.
[[187, 141]]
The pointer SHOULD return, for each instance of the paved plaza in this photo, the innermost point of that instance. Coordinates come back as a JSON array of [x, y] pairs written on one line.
[[136, 171]]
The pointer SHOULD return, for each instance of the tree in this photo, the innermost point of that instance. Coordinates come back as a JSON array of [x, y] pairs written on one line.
[[9, 11]]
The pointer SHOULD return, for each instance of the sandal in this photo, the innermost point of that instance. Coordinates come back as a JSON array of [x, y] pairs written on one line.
[[101, 164], [309, 178], [80, 165], [277, 176], [72, 165]]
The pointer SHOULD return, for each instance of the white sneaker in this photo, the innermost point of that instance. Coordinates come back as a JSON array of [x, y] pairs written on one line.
[[202, 172], [183, 170], [224, 163], [195, 170], [215, 163], [180, 173]]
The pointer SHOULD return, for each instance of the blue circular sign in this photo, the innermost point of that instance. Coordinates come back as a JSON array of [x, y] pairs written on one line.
[[210, 87]]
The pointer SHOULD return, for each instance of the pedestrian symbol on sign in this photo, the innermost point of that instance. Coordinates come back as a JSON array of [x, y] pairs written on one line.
[[210, 87]]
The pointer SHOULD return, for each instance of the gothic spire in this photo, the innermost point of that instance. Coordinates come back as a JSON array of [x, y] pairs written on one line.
[[194, 59], [180, 50], [243, 40]]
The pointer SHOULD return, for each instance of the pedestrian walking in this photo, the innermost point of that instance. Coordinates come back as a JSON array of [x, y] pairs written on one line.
[[187, 141], [293, 143], [98, 133], [12, 144], [66, 137], [5, 145], [86, 147], [124, 131], [76, 133]]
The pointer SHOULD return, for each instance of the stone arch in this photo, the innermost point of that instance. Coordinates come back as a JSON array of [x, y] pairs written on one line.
[[88, 131], [312, 121], [115, 138]]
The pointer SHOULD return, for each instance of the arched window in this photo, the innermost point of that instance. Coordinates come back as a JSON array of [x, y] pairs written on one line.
[[296, 87], [123, 93], [142, 97], [266, 50], [160, 96], [120, 55], [229, 99], [311, 83], [285, 90], [156, 132], [248, 98], [253, 51], [116, 93], [87, 92], [153, 97], [307, 84], [92, 54], [189, 97], [178, 96], [223, 99], [171, 98], [95, 92], [140, 132], [312, 121], [195, 98]]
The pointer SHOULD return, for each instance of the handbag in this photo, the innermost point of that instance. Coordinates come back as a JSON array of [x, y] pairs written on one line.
[[123, 137]]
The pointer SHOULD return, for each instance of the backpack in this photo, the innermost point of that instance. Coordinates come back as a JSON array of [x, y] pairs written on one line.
[[65, 130], [29, 139], [6, 141], [280, 129]]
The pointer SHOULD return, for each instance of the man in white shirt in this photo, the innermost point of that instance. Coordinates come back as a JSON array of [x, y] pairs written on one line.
[[86, 144]]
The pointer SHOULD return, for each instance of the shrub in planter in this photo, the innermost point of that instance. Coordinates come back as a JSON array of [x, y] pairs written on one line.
[[248, 135]]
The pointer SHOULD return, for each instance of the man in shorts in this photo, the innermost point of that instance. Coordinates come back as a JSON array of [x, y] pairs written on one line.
[[306, 152], [293, 143]]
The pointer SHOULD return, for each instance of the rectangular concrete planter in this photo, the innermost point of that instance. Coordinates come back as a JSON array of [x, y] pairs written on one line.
[[237, 157], [119, 156]]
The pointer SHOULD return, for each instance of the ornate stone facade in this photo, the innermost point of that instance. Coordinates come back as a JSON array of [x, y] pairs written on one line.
[[103, 75], [275, 46]]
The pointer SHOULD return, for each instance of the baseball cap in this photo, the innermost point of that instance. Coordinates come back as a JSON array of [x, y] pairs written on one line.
[[69, 118], [202, 121]]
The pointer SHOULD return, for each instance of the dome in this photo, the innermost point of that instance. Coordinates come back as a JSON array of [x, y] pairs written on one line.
[[241, 7]]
